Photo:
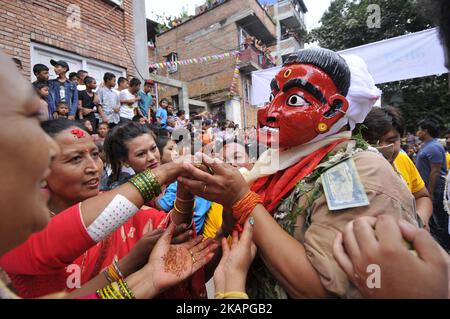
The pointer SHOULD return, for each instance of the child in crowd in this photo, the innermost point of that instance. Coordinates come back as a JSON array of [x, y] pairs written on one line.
[[42, 90], [73, 77], [122, 84], [88, 125], [140, 119], [41, 72], [129, 101], [62, 110], [102, 131]]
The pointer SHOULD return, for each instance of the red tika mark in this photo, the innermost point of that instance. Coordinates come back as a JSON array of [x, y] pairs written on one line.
[[78, 133]]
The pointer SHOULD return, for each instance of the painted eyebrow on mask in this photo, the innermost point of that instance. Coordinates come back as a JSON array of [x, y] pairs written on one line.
[[305, 85], [274, 86]]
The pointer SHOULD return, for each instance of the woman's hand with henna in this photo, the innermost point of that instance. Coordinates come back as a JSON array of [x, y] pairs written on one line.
[[138, 256], [170, 264]]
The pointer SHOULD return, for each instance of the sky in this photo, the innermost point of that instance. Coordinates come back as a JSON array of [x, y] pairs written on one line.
[[173, 7], [316, 8]]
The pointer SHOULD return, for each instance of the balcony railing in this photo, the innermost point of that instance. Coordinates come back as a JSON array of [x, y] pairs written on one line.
[[290, 14], [289, 46], [252, 59]]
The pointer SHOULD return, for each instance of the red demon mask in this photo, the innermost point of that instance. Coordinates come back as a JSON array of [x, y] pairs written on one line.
[[304, 103]]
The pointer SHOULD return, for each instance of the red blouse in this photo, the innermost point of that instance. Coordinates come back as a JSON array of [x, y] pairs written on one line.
[[52, 260]]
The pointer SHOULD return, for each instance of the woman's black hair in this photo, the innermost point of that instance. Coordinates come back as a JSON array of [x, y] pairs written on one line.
[[161, 142], [115, 146], [380, 121], [54, 127], [88, 80]]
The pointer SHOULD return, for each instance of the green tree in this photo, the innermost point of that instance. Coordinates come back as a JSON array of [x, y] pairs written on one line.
[[344, 25], [168, 22]]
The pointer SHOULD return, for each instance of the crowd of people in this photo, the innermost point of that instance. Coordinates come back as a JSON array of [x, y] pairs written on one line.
[[106, 199]]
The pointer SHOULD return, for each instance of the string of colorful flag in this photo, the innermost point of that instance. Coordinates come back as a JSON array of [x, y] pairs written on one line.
[[204, 59], [236, 74]]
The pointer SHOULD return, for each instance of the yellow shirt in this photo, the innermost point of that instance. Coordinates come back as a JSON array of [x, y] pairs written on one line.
[[213, 221], [447, 156], [409, 172]]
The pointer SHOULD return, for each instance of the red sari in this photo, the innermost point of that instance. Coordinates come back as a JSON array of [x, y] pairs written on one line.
[[48, 261]]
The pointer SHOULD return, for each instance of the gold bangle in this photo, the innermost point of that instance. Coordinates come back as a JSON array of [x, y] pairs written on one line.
[[112, 273], [235, 295], [110, 290], [123, 284], [116, 290], [180, 211], [219, 295], [147, 185], [100, 294], [117, 271]]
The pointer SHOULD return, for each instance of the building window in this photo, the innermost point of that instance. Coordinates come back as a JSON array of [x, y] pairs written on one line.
[[247, 90], [42, 54], [243, 38], [172, 58]]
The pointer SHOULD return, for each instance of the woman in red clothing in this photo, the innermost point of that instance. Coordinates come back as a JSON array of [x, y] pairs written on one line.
[[36, 270], [23, 204]]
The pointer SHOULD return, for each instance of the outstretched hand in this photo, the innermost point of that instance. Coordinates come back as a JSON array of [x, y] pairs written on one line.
[[171, 264], [403, 273], [231, 273], [139, 255], [225, 186]]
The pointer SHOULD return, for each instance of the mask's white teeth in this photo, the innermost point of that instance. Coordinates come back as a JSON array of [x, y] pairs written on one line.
[[269, 129]]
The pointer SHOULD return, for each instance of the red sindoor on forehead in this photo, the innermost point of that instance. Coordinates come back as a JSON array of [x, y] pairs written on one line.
[[78, 133]]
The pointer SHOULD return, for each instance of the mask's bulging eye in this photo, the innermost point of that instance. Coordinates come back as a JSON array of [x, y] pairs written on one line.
[[296, 100], [272, 97]]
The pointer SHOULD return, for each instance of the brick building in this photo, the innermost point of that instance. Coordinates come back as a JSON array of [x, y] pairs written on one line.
[[292, 29], [84, 33], [216, 30]]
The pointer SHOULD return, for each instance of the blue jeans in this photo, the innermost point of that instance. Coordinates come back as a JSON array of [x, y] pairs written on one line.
[[439, 220]]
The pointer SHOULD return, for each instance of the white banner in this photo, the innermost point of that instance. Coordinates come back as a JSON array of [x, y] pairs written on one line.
[[406, 57]]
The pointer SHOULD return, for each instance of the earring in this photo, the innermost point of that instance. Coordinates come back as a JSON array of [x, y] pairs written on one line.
[[322, 127], [288, 73]]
